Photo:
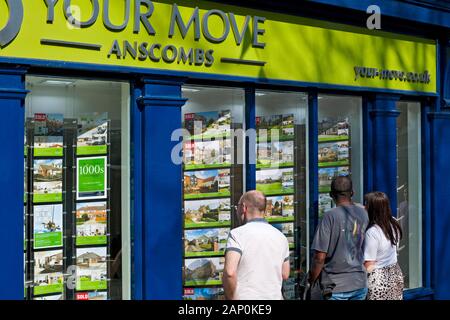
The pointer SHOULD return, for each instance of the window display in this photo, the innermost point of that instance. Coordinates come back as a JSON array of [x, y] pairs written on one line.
[[76, 178], [281, 172], [212, 182], [340, 145]]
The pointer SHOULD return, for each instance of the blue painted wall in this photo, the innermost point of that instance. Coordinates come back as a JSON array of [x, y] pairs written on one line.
[[399, 9], [440, 204], [383, 151], [12, 95], [160, 103]]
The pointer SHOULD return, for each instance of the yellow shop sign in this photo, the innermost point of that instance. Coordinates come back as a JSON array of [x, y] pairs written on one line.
[[205, 37]]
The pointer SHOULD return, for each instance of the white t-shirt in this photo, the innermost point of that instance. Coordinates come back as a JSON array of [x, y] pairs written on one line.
[[263, 250], [378, 248]]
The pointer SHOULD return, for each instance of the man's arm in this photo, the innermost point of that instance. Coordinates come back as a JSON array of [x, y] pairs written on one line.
[[230, 273], [317, 265], [286, 270]]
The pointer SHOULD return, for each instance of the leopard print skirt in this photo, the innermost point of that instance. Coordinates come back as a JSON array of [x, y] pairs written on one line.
[[386, 283]]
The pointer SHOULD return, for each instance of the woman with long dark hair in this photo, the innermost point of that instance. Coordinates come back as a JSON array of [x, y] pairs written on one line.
[[385, 278]]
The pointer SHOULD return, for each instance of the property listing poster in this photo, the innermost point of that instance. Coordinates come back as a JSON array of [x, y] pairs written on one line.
[[209, 293], [48, 134], [52, 297], [47, 180], [91, 178], [95, 295], [205, 242], [207, 125], [275, 181], [91, 269], [280, 209], [48, 272], [48, 226], [207, 184], [92, 134], [207, 213], [276, 127], [334, 157], [25, 178], [203, 271], [91, 223], [207, 154]]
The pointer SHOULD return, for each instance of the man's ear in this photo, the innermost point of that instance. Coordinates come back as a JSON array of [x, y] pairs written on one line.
[[353, 193]]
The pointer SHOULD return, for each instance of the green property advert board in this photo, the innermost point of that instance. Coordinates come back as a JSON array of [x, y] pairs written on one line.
[[91, 240], [85, 283], [48, 152], [91, 150], [91, 178], [47, 197], [48, 240], [52, 288]]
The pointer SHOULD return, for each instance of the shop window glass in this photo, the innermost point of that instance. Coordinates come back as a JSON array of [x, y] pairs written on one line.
[[212, 184], [77, 218], [409, 192], [340, 145], [281, 158]]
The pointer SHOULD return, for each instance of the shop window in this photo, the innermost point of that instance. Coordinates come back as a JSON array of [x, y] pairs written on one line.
[[340, 145], [281, 121], [77, 218], [212, 184], [409, 192]]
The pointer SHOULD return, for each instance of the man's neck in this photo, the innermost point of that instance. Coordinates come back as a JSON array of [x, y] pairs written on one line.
[[255, 217], [345, 202]]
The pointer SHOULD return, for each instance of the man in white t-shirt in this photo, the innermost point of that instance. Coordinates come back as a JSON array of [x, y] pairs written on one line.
[[257, 254]]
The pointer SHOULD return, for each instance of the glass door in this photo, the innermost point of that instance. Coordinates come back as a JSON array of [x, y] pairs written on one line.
[[281, 158], [212, 184]]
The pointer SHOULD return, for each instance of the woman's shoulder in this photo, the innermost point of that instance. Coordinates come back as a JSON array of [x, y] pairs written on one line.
[[374, 231]]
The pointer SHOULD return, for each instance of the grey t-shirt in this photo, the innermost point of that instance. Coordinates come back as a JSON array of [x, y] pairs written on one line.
[[341, 235]]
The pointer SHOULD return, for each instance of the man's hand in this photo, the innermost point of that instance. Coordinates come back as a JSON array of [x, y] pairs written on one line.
[[317, 266]]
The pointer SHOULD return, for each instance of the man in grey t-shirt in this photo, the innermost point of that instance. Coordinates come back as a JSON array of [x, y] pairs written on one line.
[[338, 244]]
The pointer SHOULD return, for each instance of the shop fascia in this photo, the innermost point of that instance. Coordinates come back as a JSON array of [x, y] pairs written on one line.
[[200, 23]]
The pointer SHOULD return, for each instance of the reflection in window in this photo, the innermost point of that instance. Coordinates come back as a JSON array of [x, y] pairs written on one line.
[[409, 192]]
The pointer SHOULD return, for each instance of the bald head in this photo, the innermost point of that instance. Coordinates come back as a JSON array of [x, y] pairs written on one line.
[[342, 187], [255, 201]]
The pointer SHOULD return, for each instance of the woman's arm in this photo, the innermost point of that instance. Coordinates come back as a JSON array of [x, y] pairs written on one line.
[[369, 265], [371, 244]]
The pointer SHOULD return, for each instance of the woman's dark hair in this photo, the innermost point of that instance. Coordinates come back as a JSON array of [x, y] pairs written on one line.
[[379, 210]]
